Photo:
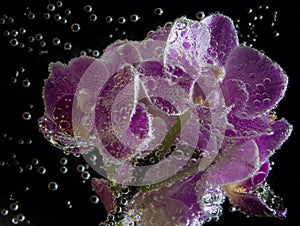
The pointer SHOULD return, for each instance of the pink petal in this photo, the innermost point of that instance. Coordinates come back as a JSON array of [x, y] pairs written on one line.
[[267, 144], [265, 80], [236, 163], [104, 192], [223, 38], [186, 45]]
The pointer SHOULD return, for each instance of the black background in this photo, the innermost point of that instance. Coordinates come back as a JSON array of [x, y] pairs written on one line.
[[70, 204]]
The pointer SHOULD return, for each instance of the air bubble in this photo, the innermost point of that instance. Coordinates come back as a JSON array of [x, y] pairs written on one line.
[[68, 12], [6, 33], [38, 36], [121, 20], [35, 161], [51, 7], [53, 186], [63, 161], [63, 21], [57, 17], [13, 206], [134, 18], [80, 168], [63, 169], [14, 42], [94, 199], [22, 30], [67, 46], [26, 83], [87, 8], [59, 4], [31, 16], [96, 53], [56, 41], [108, 19], [14, 220], [4, 212], [20, 217], [26, 115], [75, 27], [275, 34], [200, 15], [41, 170], [47, 16], [14, 33], [158, 11], [85, 175], [93, 17]]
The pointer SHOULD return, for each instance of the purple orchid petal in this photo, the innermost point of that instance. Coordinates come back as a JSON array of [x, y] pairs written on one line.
[[101, 186], [254, 196], [237, 99], [171, 205], [63, 80], [223, 38], [117, 100], [258, 178], [248, 128], [187, 43], [58, 96], [117, 56], [267, 144], [265, 80], [236, 163]]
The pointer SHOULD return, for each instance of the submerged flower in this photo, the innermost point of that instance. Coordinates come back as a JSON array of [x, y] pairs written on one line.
[[185, 116]]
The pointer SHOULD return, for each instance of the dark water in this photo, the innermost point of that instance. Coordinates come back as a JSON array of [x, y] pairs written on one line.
[[39, 184]]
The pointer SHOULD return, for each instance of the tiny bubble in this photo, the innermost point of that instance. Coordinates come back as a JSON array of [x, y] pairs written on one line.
[[56, 41], [38, 36], [59, 4], [87, 8], [31, 39], [75, 27], [53, 186], [94, 199], [275, 34], [158, 11], [57, 17], [96, 53], [6, 33], [46, 16], [67, 46], [20, 217], [14, 206], [68, 12], [22, 30], [200, 15], [63, 169], [41, 170], [26, 83], [14, 220], [31, 16], [63, 21], [134, 18], [26, 115], [14, 42], [63, 161], [93, 17], [108, 19], [121, 20], [50, 7], [4, 212]]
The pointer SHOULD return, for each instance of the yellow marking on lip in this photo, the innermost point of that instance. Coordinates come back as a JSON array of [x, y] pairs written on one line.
[[239, 190]]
